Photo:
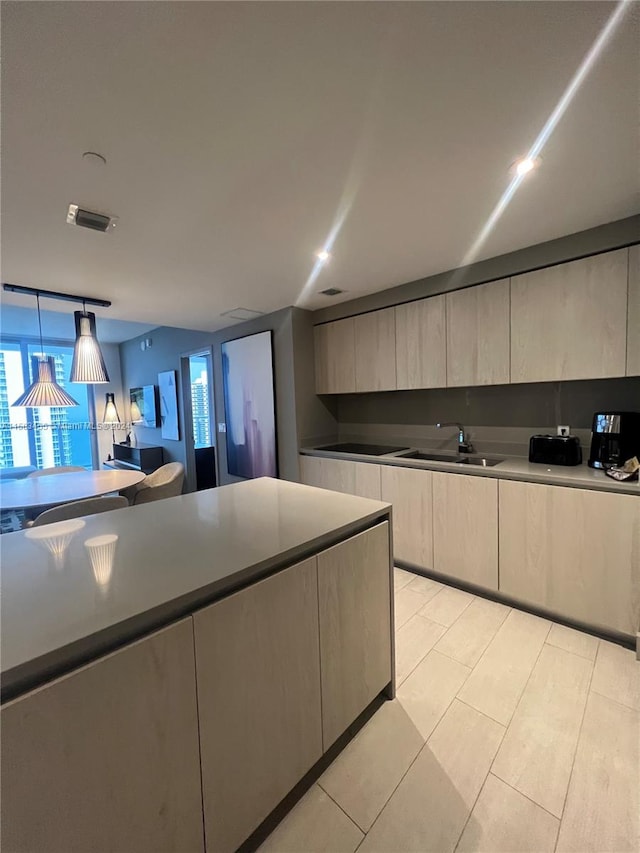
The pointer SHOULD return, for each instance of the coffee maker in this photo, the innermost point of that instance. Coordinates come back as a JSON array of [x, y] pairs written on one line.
[[615, 437]]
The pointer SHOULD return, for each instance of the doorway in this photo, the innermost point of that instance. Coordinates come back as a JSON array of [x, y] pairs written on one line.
[[197, 384]]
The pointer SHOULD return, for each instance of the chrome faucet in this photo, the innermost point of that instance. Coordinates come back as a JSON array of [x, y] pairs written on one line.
[[464, 446]]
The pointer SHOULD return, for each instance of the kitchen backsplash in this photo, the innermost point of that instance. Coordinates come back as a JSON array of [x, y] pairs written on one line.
[[498, 419], [542, 403]]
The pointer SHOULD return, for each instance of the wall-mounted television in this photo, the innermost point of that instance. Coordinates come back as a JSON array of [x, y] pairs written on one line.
[[142, 406]]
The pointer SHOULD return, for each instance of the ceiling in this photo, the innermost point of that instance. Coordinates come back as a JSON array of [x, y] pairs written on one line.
[[239, 134]]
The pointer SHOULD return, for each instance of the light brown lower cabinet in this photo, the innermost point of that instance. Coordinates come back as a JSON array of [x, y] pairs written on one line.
[[341, 475], [106, 758], [465, 528], [355, 627], [409, 490], [258, 672], [573, 551]]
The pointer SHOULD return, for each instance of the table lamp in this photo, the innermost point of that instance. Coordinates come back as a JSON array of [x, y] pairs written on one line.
[[111, 415]]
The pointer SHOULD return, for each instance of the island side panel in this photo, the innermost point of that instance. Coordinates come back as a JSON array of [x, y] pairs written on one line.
[[356, 649], [107, 758], [258, 673]]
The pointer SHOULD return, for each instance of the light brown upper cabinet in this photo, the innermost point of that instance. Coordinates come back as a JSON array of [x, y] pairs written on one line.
[[478, 335], [335, 357], [633, 321], [376, 351], [568, 321], [421, 347]]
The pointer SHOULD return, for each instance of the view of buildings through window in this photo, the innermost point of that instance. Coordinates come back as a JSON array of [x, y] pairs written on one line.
[[44, 437], [200, 401]]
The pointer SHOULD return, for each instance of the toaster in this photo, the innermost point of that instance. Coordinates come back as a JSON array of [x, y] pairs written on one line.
[[555, 449]]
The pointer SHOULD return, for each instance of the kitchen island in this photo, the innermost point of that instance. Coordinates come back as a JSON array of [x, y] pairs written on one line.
[[170, 672]]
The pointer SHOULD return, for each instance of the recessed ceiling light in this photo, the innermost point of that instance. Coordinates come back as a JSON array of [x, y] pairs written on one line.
[[332, 291], [525, 165], [323, 256]]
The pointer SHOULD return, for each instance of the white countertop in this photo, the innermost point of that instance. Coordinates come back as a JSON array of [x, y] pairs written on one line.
[[67, 598], [578, 476]]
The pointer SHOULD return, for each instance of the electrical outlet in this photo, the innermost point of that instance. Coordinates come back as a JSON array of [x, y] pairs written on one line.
[[563, 430], [222, 427]]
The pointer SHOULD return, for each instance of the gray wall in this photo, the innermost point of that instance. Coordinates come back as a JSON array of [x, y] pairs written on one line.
[[317, 417], [280, 323], [540, 404], [297, 405], [142, 368], [604, 238]]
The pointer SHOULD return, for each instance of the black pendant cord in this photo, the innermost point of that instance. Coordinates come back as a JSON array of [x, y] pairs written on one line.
[[40, 325]]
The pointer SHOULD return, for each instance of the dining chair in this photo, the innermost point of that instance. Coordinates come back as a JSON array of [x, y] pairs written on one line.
[[77, 509], [61, 469], [165, 482]]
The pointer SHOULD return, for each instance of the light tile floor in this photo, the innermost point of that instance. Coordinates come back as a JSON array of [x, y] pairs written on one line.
[[509, 733]]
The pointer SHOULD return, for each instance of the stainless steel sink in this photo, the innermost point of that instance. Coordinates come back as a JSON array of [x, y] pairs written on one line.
[[429, 457], [482, 461]]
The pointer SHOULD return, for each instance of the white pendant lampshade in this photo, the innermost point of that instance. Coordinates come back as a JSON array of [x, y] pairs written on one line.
[[88, 364], [45, 391], [111, 415]]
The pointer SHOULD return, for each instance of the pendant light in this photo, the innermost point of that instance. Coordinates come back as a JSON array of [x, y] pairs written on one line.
[[44, 391], [88, 364], [111, 414]]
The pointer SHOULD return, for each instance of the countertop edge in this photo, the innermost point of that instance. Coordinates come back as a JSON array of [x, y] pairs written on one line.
[[496, 472], [57, 663]]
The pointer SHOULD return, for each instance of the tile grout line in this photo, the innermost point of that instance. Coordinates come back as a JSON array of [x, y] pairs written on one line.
[[522, 692], [577, 654], [575, 752], [481, 788], [526, 796], [348, 816], [420, 751], [386, 802], [488, 716], [428, 652], [483, 650]]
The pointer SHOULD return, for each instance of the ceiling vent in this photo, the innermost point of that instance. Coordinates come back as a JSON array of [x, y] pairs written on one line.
[[89, 219], [332, 291], [241, 314]]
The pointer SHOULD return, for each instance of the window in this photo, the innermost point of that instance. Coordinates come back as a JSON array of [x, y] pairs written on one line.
[[200, 400], [47, 436]]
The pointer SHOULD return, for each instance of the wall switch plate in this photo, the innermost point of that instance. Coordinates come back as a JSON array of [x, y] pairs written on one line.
[[563, 430], [222, 427]]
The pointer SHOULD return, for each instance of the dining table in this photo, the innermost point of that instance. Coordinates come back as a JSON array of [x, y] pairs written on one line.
[[32, 493]]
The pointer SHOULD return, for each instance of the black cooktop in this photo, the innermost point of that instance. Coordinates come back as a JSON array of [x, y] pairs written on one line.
[[367, 449]]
